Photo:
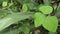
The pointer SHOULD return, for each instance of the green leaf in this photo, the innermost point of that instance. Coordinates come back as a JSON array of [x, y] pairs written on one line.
[[24, 1], [26, 28], [14, 8], [39, 19], [13, 18], [2, 14], [32, 6], [58, 9], [47, 2], [24, 7], [4, 4], [51, 23], [45, 9], [11, 31], [2, 1]]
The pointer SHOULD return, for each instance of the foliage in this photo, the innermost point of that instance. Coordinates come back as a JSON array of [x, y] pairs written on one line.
[[45, 9], [39, 19], [21, 16]]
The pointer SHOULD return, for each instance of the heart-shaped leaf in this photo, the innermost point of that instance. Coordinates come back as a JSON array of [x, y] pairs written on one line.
[[51, 23], [45, 9], [38, 19]]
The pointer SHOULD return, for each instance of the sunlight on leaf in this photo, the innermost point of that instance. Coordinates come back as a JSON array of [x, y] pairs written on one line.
[[4, 4], [39, 19], [45, 9], [51, 23], [11, 19]]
